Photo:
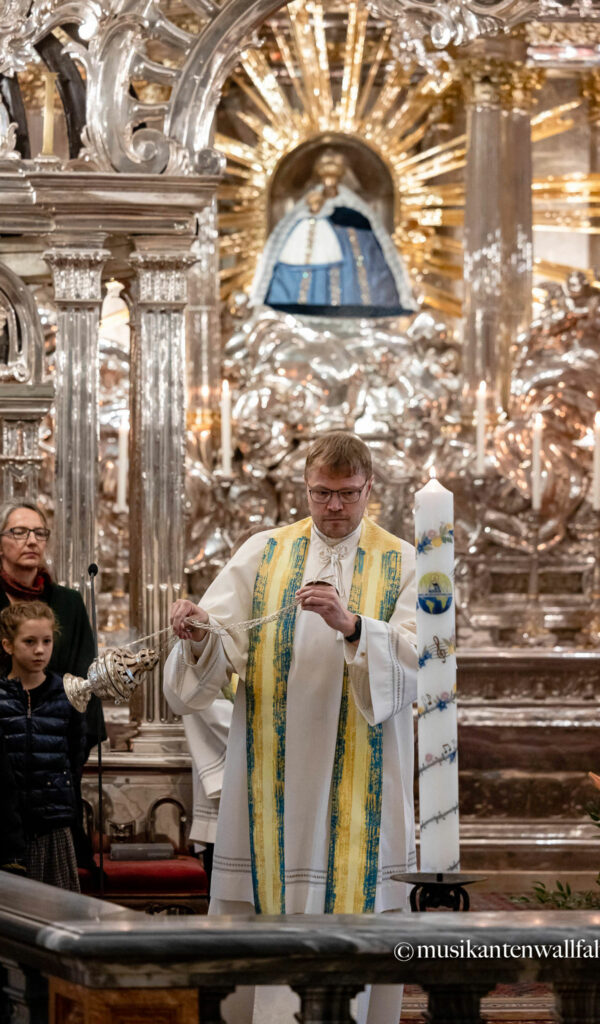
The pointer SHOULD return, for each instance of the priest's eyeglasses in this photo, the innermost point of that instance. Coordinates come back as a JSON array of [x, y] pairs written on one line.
[[22, 532], [349, 495]]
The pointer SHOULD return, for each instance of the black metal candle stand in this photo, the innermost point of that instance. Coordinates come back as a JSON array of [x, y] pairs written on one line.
[[436, 890]]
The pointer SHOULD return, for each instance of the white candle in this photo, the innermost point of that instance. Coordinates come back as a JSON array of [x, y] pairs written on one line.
[[536, 463], [123, 463], [226, 428], [480, 429], [596, 472], [436, 680]]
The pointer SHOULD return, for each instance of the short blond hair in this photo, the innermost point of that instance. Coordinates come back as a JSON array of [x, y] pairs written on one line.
[[342, 453]]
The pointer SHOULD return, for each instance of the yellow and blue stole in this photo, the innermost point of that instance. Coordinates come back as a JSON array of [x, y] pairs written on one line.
[[357, 778]]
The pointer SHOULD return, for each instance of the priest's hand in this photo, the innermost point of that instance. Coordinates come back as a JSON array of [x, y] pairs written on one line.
[[324, 599], [182, 610]]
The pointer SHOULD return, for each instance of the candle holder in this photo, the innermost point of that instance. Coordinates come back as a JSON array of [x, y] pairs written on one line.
[[589, 636], [432, 891], [534, 632]]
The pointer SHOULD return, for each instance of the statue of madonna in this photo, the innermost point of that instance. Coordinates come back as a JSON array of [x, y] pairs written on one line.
[[332, 256]]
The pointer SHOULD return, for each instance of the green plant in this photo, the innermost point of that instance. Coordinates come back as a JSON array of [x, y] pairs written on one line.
[[563, 897]]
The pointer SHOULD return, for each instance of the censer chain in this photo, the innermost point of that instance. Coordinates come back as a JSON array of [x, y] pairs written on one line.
[[235, 627]]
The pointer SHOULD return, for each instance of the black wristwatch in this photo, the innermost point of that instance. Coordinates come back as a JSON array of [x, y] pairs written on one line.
[[355, 634]]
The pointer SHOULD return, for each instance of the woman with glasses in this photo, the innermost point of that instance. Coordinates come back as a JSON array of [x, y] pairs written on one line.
[[24, 576]]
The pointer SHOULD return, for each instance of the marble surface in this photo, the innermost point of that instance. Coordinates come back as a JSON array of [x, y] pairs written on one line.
[[103, 946]]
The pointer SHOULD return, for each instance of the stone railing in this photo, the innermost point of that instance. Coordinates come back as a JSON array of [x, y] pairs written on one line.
[[98, 957]]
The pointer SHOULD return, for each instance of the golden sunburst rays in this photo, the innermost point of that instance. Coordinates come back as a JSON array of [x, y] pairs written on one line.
[[324, 70]]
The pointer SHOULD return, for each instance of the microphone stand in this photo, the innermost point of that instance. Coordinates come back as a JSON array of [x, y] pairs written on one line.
[[92, 573]]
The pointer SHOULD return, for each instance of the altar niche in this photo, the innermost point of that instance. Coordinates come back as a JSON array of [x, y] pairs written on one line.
[[366, 174], [330, 254]]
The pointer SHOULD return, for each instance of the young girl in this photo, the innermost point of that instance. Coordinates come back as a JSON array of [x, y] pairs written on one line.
[[45, 740]]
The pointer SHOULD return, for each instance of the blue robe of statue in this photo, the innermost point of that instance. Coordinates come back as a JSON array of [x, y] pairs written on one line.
[[364, 280]]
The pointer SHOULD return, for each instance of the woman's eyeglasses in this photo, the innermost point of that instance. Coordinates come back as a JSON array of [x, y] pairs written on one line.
[[22, 533]]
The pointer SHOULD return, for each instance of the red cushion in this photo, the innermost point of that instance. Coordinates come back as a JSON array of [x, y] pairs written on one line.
[[178, 875]]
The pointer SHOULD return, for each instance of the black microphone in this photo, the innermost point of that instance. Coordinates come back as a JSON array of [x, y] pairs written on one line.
[[92, 573]]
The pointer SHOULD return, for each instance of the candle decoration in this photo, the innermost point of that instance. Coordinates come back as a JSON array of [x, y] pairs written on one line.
[[436, 677]]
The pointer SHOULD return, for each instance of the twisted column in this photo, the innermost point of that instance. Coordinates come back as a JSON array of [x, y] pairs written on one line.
[[157, 463], [76, 273]]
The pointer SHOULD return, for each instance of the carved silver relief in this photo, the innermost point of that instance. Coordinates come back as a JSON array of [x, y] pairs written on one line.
[[23, 24], [423, 30], [24, 394], [77, 274]]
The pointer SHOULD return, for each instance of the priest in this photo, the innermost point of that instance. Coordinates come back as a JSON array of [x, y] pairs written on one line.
[[316, 809]]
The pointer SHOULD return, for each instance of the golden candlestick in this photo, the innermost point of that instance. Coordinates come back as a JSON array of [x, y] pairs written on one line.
[[48, 136]]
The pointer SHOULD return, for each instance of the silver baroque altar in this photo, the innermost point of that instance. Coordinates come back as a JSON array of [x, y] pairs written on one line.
[[151, 183]]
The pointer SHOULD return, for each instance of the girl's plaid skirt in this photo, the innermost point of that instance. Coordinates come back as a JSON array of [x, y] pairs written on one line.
[[51, 858]]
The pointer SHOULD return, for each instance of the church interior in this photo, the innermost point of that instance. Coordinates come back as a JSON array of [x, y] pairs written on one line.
[[185, 305]]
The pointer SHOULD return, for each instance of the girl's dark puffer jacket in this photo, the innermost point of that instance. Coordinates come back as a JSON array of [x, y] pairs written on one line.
[[45, 741]]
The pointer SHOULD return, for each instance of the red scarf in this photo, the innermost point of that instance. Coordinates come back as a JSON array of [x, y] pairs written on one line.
[[20, 591]]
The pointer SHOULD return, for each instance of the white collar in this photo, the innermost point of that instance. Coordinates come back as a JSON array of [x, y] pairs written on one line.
[[331, 551], [333, 542]]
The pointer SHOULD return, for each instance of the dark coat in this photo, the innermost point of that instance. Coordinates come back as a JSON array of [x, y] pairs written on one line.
[[45, 742], [12, 838], [74, 648]]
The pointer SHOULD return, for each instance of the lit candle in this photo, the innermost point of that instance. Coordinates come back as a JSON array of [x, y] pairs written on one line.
[[123, 463], [536, 463], [480, 429], [226, 428], [596, 472], [436, 679], [48, 136]]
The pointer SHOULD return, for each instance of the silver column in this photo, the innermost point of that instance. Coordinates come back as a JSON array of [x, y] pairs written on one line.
[[157, 464], [495, 248], [483, 231], [203, 322], [76, 272], [517, 216]]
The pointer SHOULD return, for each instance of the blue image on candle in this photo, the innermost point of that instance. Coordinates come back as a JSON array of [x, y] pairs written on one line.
[[435, 593]]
